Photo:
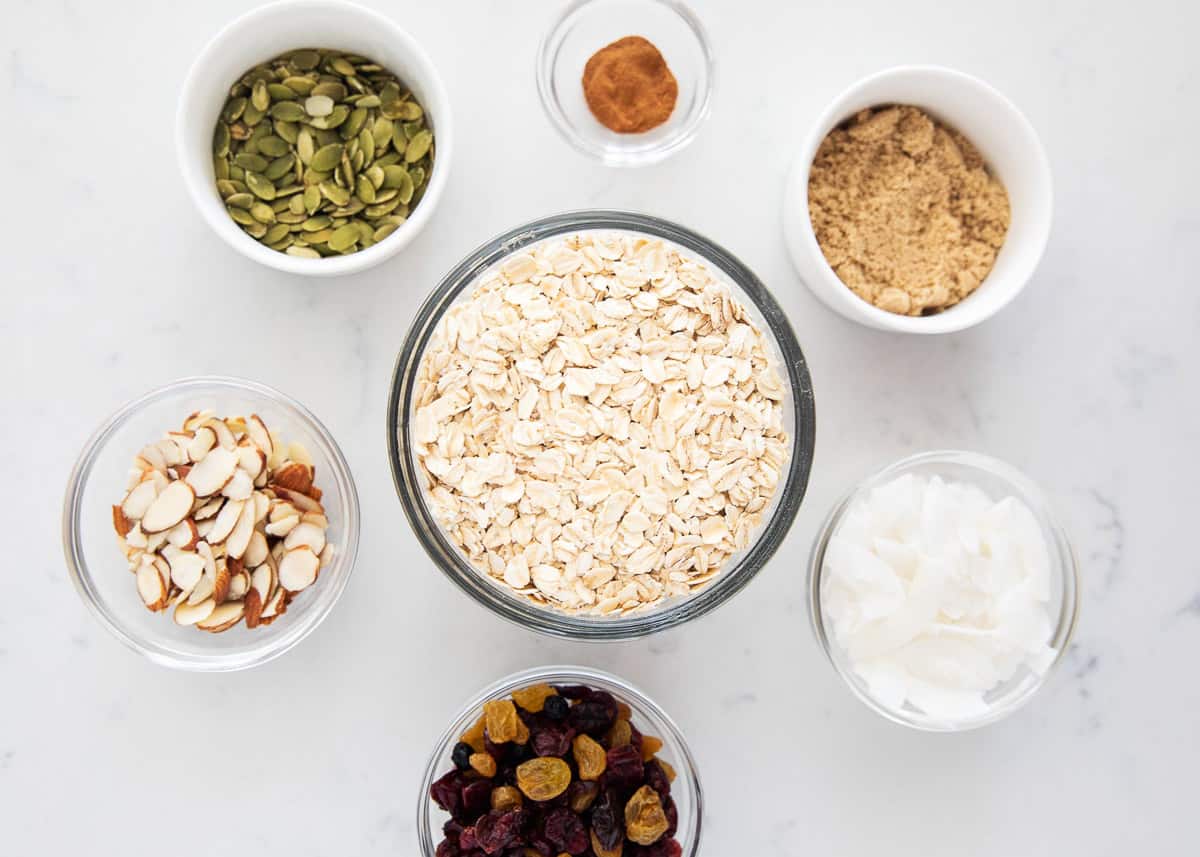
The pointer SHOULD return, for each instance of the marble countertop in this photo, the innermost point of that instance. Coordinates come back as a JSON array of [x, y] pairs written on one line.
[[114, 285]]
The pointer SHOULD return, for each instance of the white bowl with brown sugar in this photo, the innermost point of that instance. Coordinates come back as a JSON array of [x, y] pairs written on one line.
[[913, 257]]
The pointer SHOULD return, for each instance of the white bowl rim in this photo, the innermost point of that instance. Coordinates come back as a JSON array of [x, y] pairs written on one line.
[[198, 183], [955, 318]]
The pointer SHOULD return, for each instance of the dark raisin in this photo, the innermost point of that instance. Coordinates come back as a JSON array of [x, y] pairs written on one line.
[[551, 741], [662, 848], [593, 716], [608, 820], [625, 768], [461, 757], [447, 792], [452, 829], [556, 707], [574, 691], [565, 829], [476, 798], [581, 795], [672, 817], [448, 848]]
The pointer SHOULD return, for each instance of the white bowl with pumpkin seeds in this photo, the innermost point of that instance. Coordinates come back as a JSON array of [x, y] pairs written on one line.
[[277, 29]]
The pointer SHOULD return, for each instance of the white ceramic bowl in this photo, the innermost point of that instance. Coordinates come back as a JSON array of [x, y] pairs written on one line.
[[1007, 143], [266, 32]]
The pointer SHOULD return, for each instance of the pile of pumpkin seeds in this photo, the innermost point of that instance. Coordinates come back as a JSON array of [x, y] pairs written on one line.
[[321, 153]]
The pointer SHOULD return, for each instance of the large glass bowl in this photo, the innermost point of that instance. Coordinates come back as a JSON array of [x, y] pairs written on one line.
[[998, 480], [648, 718], [99, 570], [798, 422]]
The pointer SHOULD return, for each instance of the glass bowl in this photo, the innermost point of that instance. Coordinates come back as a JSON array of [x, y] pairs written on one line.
[[586, 26], [647, 717], [799, 422], [997, 480], [98, 567]]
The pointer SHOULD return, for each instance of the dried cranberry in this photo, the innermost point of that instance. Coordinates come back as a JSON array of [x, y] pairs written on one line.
[[552, 742], [476, 798], [662, 848], [624, 767], [497, 830], [468, 839], [451, 829], [656, 778], [556, 707], [608, 822], [447, 792], [574, 691], [672, 817], [565, 829]]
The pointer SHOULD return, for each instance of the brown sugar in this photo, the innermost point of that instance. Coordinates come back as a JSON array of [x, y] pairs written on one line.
[[905, 210], [629, 87]]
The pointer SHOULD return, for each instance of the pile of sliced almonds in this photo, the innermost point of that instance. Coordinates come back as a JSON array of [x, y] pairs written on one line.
[[222, 522]]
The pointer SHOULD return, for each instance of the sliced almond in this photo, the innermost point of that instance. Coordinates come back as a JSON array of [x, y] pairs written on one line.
[[155, 541], [221, 583], [254, 608], [308, 535], [283, 526], [204, 549], [213, 473], [250, 458], [169, 508], [257, 431], [208, 509], [223, 616], [203, 590], [301, 501], [120, 523], [298, 452], [186, 568], [150, 587], [138, 500], [327, 555], [191, 614], [205, 527], [240, 487], [315, 518], [135, 538], [171, 452], [197, 419], [239, 539], [164, 571], [294, 476], [184, 535], [262, 505], [225, 521], [202, 441], [256, 551], [275, 606], [153, 456], [261, 580], [239, 585], [298, 569], [224, 436]]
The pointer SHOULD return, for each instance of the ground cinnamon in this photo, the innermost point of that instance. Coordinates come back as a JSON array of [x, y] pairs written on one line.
[[629, 87]]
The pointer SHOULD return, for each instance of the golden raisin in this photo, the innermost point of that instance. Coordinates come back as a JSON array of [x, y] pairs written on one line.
[[624, 712], [620, 734], [599, 849], [506, 798], [589, 756], [474, 735], [645, 821], [483, 764], [544, 778], [533, 698], [522, 732], [667, 769], [650, 746], [502, 720]]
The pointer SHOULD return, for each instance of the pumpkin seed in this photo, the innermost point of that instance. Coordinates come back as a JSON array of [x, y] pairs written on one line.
[[300, 86], [335, 194], [302, 252], [312, 198], [341, 66], [240, 200], [418, 147], [273, 147], [262, 212], [343, 238], [279, 92], [409, 110], [289, 111], [384, 231], [260, 186], [305, 59], [221, 140], [280, 167], [289, 132], [240, 215], [252, 115], [247, 161], [233, 109], [365, 190], [327, 157], [259, 96], [255, 229]]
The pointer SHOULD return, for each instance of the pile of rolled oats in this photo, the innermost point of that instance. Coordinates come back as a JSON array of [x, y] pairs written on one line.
[[600, 423]]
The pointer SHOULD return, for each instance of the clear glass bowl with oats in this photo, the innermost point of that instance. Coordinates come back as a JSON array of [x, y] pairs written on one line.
[[600, 425]]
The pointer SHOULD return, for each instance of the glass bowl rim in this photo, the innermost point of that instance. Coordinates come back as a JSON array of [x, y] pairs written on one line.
[[1066, 566], [270, 648], [448, 558], [544, 72], [560, 674]]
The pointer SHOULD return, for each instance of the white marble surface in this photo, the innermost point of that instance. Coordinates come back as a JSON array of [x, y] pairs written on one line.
[[112, 285]]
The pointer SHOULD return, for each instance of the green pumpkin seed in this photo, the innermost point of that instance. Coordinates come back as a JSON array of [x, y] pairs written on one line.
[[290, 217], [279, 92], [260, 186], [280, 167], [335, 194], [255, 229], [236, 173], [240, 215], [312, 224], [395, 176], [409, 110], [273, 147], [366, 145], [302, 252], [233, 109], [300, 86], [259, 96], [318, 237], [296, 204], [384, 231], [418, 176], [240, 200], [332, 89], [376, 175], [418, 147], [289, 132], [247, 161], [312, 198], [367, 101], [305, 147], [411, 129], [252, 115], [341, 66], [327, 157], [382, 208], [343, 238], [262, 212], [305, 59], [335, 119], [221, 168], [221, 140], [365, 190], [354, 123], [288, 111]]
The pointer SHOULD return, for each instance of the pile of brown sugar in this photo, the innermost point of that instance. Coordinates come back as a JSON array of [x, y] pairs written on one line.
[[905, 210]]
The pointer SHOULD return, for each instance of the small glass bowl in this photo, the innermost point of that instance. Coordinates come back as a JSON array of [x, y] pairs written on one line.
[[798, 420], [98, 567], [997, 480], [647, 717], [586, 26]]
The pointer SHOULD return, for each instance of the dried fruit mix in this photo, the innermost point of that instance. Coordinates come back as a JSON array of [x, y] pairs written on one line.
[[222, 522], [575, 777]]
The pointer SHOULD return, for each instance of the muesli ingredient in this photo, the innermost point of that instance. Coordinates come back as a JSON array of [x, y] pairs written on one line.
[[937, 594], [320, 153], [628, 86], [600, 423], [222, 522], [552, 809], [905, 210]]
